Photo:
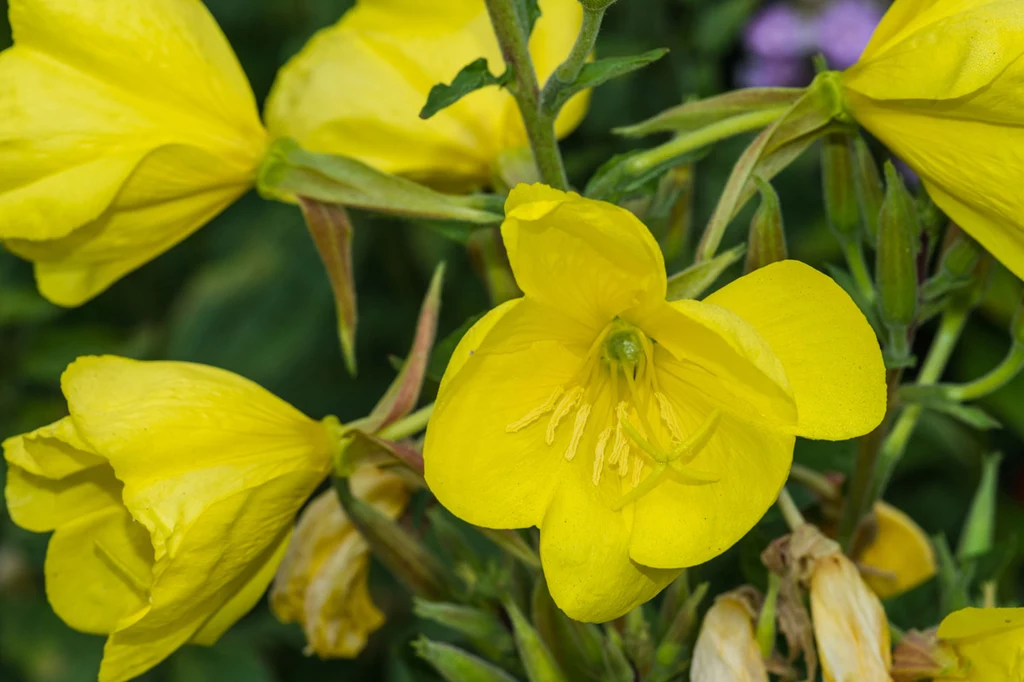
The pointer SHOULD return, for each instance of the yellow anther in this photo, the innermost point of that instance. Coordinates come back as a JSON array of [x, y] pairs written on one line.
[[577, 431], [624, 466], [621, 445], [668, 415], [564, 407], [602, 445], [536, 413], [638, 468]]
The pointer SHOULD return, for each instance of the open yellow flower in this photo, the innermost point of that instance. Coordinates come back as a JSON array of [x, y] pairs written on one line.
[[988, 642], [172, 489], [900, 556], [322, 582], [940, 85], [357, 88], [641, 436], [125, 125]]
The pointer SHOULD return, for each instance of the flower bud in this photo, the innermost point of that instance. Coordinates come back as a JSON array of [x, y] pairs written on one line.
[[767, 242], [322, 581], [870, 190], [536, 658], [837, 170], [899, 556], [456, 665], [726, 648], [896, 265], [849, 622]]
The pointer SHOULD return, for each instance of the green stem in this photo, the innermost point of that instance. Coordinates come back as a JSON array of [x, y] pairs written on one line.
[[790, 512], [540, 129], [567, 73], [994, 380], [815, 481], [895, 444], [407, 426], [683, 144], [859, 268]]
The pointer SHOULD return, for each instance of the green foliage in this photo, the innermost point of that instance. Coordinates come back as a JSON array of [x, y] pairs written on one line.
[[472, 77]]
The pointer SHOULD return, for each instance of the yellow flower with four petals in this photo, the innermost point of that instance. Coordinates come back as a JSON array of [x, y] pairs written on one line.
[[641, 436]]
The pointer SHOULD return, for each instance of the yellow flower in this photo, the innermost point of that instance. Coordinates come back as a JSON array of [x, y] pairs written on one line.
[[641, 436], [125, 125], [988, 642], [357, 88], [900, 557], [172, 489], [850, 625], [322, 581], [939, 84], [726, 648]]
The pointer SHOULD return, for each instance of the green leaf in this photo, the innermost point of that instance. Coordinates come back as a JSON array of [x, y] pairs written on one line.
[[612, 182], [529, 13], [603, 70], [695, 280], [473, 77], [937, 399]]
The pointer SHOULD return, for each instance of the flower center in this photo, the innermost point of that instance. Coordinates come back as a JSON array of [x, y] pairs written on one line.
[[642, 440]]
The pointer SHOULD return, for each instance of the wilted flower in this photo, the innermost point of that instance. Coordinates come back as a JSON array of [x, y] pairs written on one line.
[[850, 625], [939, 85], [171, 489], [358, 87], [726, 648], [126, 126], [612, 419], [322, 582], [899, 556]]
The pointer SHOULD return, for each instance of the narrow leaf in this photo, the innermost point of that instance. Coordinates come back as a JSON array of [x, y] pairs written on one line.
[[978, 536], [696, 279], [404, 392], [529, 12], [332, 233], [938, 399], [537, 659], [601, 71], [472, 77], [700, 113], [456, 665]]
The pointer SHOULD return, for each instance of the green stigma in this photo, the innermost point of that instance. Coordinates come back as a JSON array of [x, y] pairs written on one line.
[[624, 345]]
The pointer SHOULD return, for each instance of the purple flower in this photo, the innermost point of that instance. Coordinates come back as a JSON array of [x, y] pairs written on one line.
[[757, 72], [844, 28], [780, 31]]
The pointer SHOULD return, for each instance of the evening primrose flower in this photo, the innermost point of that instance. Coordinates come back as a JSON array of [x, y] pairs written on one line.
[[322, 582], [171, 489], [899, 557], [939, 84], [726, 648], [641, 436], [125, 126], [989, 645], [357, 89]]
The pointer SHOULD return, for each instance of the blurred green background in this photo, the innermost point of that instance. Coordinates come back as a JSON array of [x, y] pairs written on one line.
[[247, 293]]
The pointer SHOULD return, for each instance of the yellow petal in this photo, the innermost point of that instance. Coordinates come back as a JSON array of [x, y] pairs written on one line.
[[930, 50], [971, 622], [589, 259], [53, 451], [726, 648], [989, 642], [900, 556], [329, 97], [98, 571], [478, 468], [172, 192], [749, 461], [584, 549], [91, 95], [829, 351], [183, 436]]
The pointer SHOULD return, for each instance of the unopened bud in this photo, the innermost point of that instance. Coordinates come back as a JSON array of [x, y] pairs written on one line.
[[767, 242], [896, 265], [536, 658], [870, 190], [841, 207], [726, 648], [456, 665], [921, 655], [958, 266]]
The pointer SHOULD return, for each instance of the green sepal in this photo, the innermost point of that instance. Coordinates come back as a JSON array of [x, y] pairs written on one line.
[[481, 628], [456, 665], [697, 114], [473, 76], [540, 665]]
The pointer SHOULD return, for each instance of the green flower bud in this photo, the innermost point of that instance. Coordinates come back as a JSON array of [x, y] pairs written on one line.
[[896, 264], [537, 659], [841, 207], [961, 258], [868, 183], [767, 241], [456, 665]]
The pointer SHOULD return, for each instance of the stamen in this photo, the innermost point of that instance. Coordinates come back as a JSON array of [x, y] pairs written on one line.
[[624, 466], [621, 446], [564, 407], [577, 431], [638, 467], [602, 444], [668, 415], [535, 413]]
